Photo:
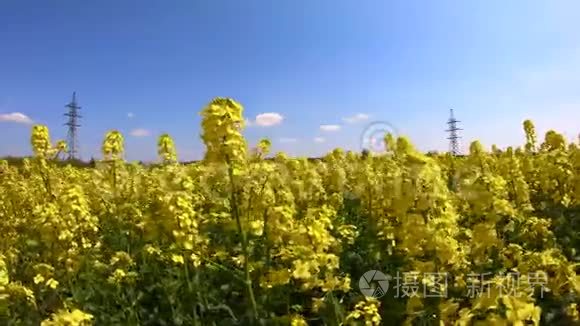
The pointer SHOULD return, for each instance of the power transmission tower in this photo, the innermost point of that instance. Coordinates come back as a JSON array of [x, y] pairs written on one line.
[[453, 135], [73, 118]]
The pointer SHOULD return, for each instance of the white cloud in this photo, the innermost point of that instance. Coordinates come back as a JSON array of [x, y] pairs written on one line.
[[130, 115], [139, 132], [268, 119], [319, 140], [356, 118], [15, 117], [329, 127], [288, 140]]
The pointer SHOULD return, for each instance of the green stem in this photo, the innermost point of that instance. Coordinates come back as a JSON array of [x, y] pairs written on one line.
[[190, 290], [266, 240], [45, 177], [236, 213], [335, 311], [114, 176]]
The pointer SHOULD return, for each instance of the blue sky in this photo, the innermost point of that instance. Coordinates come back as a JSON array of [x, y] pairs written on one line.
[[147, 67]]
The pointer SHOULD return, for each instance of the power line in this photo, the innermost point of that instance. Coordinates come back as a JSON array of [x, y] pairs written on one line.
[[73, 125], [453, 135]]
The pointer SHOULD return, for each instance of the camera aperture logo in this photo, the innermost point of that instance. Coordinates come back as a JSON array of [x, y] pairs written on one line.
[[373, 284], [373, 137]]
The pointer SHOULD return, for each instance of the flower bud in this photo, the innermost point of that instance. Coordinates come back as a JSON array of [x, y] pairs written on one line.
[[40, 141], [166, 149], [222, 125], [113, 146]]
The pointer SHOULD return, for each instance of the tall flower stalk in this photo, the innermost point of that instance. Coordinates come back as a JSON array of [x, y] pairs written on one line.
[[166, 149], [222, 126], [113, 149]]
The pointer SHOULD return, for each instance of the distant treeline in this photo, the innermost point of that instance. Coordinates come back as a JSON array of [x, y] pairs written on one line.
[[17, 161]]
